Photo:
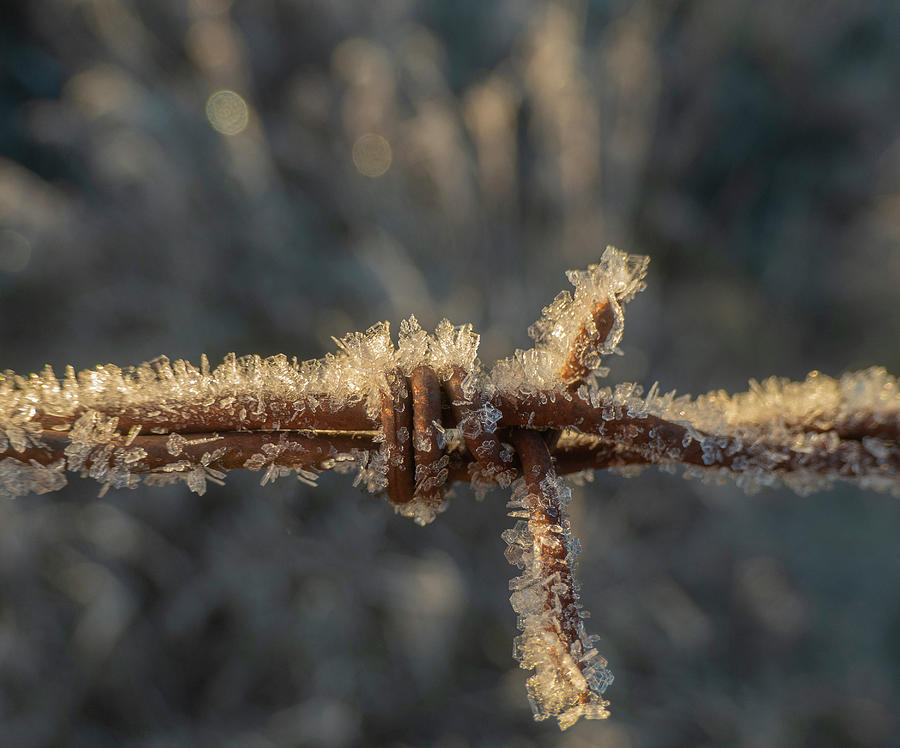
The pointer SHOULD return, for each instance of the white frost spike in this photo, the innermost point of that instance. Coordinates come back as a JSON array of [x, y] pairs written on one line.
[[776, 408], [175, 444], [359, 369], [372, 469], [413, 345], [309, 477], [448, 347], [454, 345], [195, 476], [18, 478], [617, 279], [90, 434], [267, 459]]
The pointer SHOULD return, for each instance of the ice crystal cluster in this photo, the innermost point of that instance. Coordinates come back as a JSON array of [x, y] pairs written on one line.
[[241, 394], [168, 421], [249, 393], [806, 435]]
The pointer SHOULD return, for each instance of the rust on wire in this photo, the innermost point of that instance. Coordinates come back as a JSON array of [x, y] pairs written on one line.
[[549, 532], [491, 463], [315, 412], [585, 351], [396, 420], [619, 439], [295, 449], [427, 451]]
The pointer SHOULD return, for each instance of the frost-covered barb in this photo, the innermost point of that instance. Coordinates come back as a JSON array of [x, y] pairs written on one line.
[[411, 418], [576, 330], [570, 676]]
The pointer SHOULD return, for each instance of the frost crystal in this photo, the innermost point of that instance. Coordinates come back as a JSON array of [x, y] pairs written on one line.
[[18, 478], [99, 451], [805, 434], [195, 476], [271, 451], [359, 370]]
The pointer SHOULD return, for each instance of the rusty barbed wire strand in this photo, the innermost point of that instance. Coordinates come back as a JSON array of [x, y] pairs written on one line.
[[641, 439], [299, 449], [558, 608]]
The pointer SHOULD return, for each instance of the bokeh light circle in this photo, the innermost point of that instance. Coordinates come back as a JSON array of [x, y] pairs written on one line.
[[227, 112], [372, 155]]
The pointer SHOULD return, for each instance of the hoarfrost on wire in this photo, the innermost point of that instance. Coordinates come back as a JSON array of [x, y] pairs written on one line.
[[772, 419], [615, 280], [805, 434], [570, 676], [778, 408], [19, 478], [769, 433], [273, 471], [89, 405]]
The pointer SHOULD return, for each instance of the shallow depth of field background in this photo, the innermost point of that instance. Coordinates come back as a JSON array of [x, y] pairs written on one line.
[[207, 176]]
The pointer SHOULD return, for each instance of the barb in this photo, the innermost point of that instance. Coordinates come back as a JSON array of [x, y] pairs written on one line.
[[570, 677], [584, 355]]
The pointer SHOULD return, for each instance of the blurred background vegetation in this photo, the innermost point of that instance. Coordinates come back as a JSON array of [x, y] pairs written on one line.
[[215, 176]]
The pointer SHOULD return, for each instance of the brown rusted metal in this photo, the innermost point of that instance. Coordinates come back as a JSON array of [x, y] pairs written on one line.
[[426, 399], [588, 341], [296, 449], [551, 543], [397, 428], [318, 412], [633, 439], [492, 463], [303, 449], [660, 441], [411, 408]]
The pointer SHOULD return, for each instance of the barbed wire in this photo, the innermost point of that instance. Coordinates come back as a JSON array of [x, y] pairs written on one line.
[[412, 418]]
